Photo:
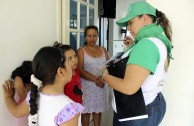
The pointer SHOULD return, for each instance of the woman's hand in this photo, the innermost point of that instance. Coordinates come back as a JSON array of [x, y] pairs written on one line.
[[99, 82], [8, 89], [128, 41], [105, 71]]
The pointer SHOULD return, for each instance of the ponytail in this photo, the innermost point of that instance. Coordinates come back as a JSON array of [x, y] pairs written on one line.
[[164, 22], [33, 117]]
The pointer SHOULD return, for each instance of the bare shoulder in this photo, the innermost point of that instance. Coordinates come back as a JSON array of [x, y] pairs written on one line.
[[106, 53], [80, 50], [80, 54], [104, 48]]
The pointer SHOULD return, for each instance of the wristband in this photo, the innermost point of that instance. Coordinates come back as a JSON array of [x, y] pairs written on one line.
[[103, 78]]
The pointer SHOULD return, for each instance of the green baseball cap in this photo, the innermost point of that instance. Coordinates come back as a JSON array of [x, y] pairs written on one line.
[[136, 9]]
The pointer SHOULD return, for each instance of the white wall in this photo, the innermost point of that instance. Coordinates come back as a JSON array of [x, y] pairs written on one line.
[[179, 86], [25, 26], [180, 82]]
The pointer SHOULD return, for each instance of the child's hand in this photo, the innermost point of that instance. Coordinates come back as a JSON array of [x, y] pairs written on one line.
[[8, 89]]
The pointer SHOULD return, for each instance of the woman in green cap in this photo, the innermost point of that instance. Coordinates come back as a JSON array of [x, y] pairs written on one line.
[[148, 62]]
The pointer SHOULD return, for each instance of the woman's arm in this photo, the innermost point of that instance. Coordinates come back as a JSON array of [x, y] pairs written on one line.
[[17, 110], [19, 87], [134, 77], [85, 74]]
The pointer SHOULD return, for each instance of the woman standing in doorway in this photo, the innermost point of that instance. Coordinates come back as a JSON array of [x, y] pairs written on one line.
[[91, 58]]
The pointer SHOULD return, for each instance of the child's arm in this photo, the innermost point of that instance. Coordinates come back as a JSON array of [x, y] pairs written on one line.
[[17, 110], [72, 122], [19, 87]]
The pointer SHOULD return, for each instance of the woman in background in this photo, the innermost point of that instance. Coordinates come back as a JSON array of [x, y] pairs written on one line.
[[91, 59]]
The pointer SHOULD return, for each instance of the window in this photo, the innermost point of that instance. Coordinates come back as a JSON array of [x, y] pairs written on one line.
[[76, 14]]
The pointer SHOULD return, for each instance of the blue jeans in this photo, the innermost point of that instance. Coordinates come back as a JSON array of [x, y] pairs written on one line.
[[156, 111]]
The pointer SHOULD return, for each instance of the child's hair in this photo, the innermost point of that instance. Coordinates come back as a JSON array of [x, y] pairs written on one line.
[[44, 65], [24, 71], [62, 46]]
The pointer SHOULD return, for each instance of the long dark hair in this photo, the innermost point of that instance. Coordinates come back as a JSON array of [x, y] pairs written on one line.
[[44, 65]]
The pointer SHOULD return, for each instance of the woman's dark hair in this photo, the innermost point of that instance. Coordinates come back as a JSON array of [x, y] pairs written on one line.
[[90, 27], [44, 65], [163, 21], [24, 71]]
